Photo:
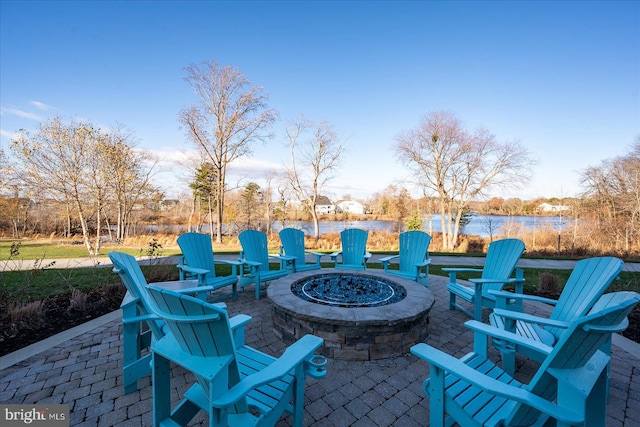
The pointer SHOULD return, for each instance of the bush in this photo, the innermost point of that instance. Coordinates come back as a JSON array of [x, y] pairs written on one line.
[[549, 284], [29, 316]]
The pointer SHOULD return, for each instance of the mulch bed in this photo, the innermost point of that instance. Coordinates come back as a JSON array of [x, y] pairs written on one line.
[[57, 316]]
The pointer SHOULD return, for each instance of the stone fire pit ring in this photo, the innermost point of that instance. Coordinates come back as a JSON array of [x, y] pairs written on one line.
[[352, 333]]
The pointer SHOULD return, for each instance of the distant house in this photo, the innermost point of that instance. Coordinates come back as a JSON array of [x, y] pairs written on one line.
[[350, 206], [547, 207], [168, 204], [324, 206]]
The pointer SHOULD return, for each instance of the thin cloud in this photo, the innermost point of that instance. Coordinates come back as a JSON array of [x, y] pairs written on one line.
[[41, 106], [251, 167], [8, 135], [20, 113]]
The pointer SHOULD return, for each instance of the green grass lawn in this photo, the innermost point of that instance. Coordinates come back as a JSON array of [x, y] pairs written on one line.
[[29, 285], [41, 249], [38, 283]]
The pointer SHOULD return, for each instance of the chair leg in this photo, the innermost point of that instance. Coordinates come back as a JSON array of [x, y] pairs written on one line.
[[161, 389], [258, 279], [298, 397]]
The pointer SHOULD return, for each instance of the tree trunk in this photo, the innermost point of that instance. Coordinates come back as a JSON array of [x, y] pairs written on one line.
[[316, 223], [210, 208]]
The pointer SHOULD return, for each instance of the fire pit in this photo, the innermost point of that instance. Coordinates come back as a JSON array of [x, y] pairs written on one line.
[[361, 315]]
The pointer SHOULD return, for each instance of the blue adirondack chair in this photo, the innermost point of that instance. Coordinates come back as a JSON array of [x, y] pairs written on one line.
[[198, 262], [236, 384], [354, 255], [293, 245], [136, 313], [413, 257], [569, 387], [255, 261], [588, 281], [500, 262]]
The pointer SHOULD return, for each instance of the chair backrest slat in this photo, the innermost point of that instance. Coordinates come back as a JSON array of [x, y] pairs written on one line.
[[293, 243], [198, 251], [414, 246], [354, 245], [255, 247], [589, 279], [502, 257]]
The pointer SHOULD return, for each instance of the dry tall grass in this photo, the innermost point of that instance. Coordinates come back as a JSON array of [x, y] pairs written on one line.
[[544, 242]]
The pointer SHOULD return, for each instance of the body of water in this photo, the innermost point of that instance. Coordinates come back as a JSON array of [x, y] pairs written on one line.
[[480, 225]]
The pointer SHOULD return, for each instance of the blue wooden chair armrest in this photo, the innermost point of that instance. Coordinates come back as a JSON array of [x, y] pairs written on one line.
[[137, 319], [443, 362], [518, 281], [239, 320], [502, 295], [462, 270], [252, 264], [227, 261], [481, 331], [367, 255], [281, 257], [237, 324], [292, 357], [195, 289], [453, 272], [233, 264], [423, 264], [129, 300], [528, 318], [200, 291], [316, 254], [335, 255], [489, 280], [613, 329], [192, 270], [388, 258]]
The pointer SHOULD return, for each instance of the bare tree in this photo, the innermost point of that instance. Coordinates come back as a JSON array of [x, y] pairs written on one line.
[[4, 171], [315, 153], [613, 188], [268, 202], [458, 166], [85, 169], [128, 172], [230, 116], [56, 161]]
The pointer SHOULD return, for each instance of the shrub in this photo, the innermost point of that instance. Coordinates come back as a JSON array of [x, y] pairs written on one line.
[[29, 316], [78, 301], [549, 283]]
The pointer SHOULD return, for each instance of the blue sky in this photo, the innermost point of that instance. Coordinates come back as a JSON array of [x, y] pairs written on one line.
[[562, 78]]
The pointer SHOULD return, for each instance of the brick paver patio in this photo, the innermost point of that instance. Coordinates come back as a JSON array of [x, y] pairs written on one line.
[[85, 372]]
